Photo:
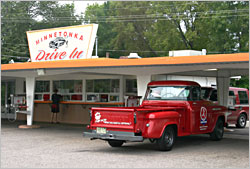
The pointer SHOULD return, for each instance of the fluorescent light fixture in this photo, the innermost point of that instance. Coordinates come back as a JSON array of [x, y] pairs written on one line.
[[210, 70]]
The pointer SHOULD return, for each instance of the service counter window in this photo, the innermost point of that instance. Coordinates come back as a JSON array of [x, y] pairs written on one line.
[[42, 90], [131, 87], [71, 90], [102, 90]]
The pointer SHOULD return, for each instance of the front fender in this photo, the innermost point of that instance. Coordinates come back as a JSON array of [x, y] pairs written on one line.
[[157, 122]]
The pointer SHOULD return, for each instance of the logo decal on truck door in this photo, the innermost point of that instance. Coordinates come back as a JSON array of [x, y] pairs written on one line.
[[203, 115]]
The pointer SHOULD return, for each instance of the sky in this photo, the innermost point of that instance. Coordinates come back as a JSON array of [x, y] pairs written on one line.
[[80, 6]]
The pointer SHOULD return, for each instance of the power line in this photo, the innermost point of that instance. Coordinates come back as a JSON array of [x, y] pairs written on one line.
[[113, 50], [19, 44], [177, 14], [18, 57], [129, 20], [138, 7], [162, 6], [146, 15], [14, 51]]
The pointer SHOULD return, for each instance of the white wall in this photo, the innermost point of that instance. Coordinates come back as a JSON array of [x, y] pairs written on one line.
[[203, 81]]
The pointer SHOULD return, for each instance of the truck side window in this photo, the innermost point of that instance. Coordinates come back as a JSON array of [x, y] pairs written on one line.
[[243, 97], [196, 93]]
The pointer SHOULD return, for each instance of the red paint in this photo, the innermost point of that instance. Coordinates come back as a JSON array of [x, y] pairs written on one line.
[[185, 114], [42, 55], [75, 54], [239, 107], [59, 34]]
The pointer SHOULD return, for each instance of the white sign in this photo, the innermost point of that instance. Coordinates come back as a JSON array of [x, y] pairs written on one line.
[[64, 43]]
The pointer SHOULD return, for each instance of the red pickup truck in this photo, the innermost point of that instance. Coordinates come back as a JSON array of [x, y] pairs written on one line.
[[169, 109]]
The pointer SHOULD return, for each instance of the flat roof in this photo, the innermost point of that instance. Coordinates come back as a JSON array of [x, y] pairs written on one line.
[[109, 62]]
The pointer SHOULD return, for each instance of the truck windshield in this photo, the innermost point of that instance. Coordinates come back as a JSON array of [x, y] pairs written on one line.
[[168, 93]]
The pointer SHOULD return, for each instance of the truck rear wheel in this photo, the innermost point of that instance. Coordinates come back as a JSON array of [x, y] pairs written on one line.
[[167, 140], [115, 143], [218, 132], [242, 121]]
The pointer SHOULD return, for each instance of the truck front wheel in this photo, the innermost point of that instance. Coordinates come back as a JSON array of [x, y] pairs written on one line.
[[115, 143], [167, 140], [218, 131]]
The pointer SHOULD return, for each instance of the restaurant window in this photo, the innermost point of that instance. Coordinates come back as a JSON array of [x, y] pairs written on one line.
[[103, 90], [131, 86], [69, 89], [42, 90]]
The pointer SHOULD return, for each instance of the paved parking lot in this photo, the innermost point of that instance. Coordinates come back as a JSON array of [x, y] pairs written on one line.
[[62, 146]]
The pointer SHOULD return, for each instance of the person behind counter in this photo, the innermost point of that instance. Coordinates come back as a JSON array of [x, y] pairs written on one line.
[[55, 105]]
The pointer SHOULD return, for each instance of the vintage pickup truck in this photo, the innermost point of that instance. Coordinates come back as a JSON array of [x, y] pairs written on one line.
[[169, 109]]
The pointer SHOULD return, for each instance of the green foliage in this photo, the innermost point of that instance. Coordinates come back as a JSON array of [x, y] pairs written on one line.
[[243, 82], [154, 28], [19, 17]]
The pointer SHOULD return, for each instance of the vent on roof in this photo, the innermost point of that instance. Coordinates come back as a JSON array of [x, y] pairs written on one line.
[[133, 56], [187, 52]]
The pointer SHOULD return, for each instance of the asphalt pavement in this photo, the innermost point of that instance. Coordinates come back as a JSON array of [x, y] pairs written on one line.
[[63, 146]]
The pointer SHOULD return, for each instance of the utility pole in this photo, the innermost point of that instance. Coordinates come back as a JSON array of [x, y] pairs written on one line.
[[96, 45]]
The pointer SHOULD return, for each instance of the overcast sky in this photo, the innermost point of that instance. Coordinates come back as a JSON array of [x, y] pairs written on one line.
[[80, 6]]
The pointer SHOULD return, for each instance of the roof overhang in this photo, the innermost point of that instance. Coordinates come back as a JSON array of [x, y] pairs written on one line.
[[237, 64]]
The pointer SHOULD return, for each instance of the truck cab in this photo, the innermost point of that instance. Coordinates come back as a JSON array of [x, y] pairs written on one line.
[[170, 109]]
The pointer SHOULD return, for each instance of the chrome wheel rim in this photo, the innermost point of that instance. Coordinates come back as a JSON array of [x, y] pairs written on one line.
[[242, 121], [169, 138]]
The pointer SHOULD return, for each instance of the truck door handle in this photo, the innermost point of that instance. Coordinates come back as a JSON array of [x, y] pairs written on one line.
[[194, 103]]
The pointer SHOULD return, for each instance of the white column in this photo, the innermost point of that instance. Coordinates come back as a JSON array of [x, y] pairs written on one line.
[[51, 89], [19, 86], [142, 82], [121, 87], [30, 89], [223, 82], [84, 90]]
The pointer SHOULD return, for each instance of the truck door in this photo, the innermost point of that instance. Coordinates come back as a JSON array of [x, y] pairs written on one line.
[[200, 114]]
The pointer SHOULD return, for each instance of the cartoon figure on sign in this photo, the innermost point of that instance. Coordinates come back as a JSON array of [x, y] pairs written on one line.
[[97, 117], [203, 115]]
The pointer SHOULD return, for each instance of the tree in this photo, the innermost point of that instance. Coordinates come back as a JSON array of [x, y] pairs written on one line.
[[99, 14], [154, 28], [243, 82], [19, 17]]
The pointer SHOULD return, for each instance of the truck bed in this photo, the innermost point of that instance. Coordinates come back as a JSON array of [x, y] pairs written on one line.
[[121, 118]]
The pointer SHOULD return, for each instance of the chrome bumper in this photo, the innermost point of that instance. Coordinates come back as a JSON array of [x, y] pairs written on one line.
[[114, 135]]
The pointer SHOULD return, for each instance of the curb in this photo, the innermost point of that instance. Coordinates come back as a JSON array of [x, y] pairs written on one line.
[[29, 126]]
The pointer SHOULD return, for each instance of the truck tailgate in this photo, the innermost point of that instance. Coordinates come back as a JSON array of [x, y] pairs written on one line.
[[113, 118]]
